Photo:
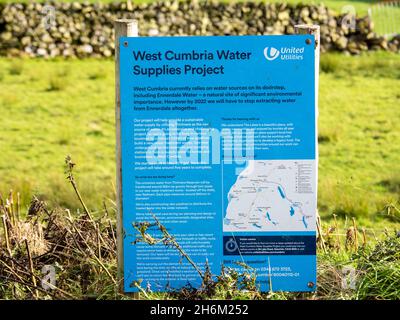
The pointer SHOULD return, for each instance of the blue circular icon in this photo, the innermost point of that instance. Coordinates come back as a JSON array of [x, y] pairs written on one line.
[[231, 245]]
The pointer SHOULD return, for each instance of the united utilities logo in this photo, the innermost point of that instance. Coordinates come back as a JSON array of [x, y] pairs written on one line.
[[284, 53], [271, 53]]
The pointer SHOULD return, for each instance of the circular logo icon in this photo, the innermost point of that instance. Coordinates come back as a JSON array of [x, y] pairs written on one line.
[[271, 53], [231, 245]]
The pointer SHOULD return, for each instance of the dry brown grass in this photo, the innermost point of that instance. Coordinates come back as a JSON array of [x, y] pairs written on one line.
[[80, 248], [83, 252]]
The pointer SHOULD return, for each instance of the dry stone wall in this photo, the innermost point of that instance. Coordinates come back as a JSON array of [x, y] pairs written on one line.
[[80, 29]]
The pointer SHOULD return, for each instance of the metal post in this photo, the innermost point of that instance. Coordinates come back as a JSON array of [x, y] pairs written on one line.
[[315, 31], [123, 28]]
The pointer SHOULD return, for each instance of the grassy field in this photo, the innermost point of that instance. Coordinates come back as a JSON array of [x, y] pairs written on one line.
[[358, 134], [54, 108]]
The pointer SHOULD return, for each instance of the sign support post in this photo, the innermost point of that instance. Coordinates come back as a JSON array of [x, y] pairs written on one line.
[[314, 30], [123, 28]]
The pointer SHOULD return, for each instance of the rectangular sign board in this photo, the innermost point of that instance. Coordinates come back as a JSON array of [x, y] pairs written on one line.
[[218, 141]]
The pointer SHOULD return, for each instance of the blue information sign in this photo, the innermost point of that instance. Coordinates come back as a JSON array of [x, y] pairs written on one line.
[[218, 141]]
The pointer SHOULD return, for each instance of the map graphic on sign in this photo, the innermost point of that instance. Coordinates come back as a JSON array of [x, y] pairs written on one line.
[[271, 195]]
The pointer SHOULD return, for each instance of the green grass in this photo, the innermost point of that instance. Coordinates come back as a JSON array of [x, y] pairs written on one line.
[[379, 271], [54, 108], [386, 19], [359, 160], [51, 109]]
